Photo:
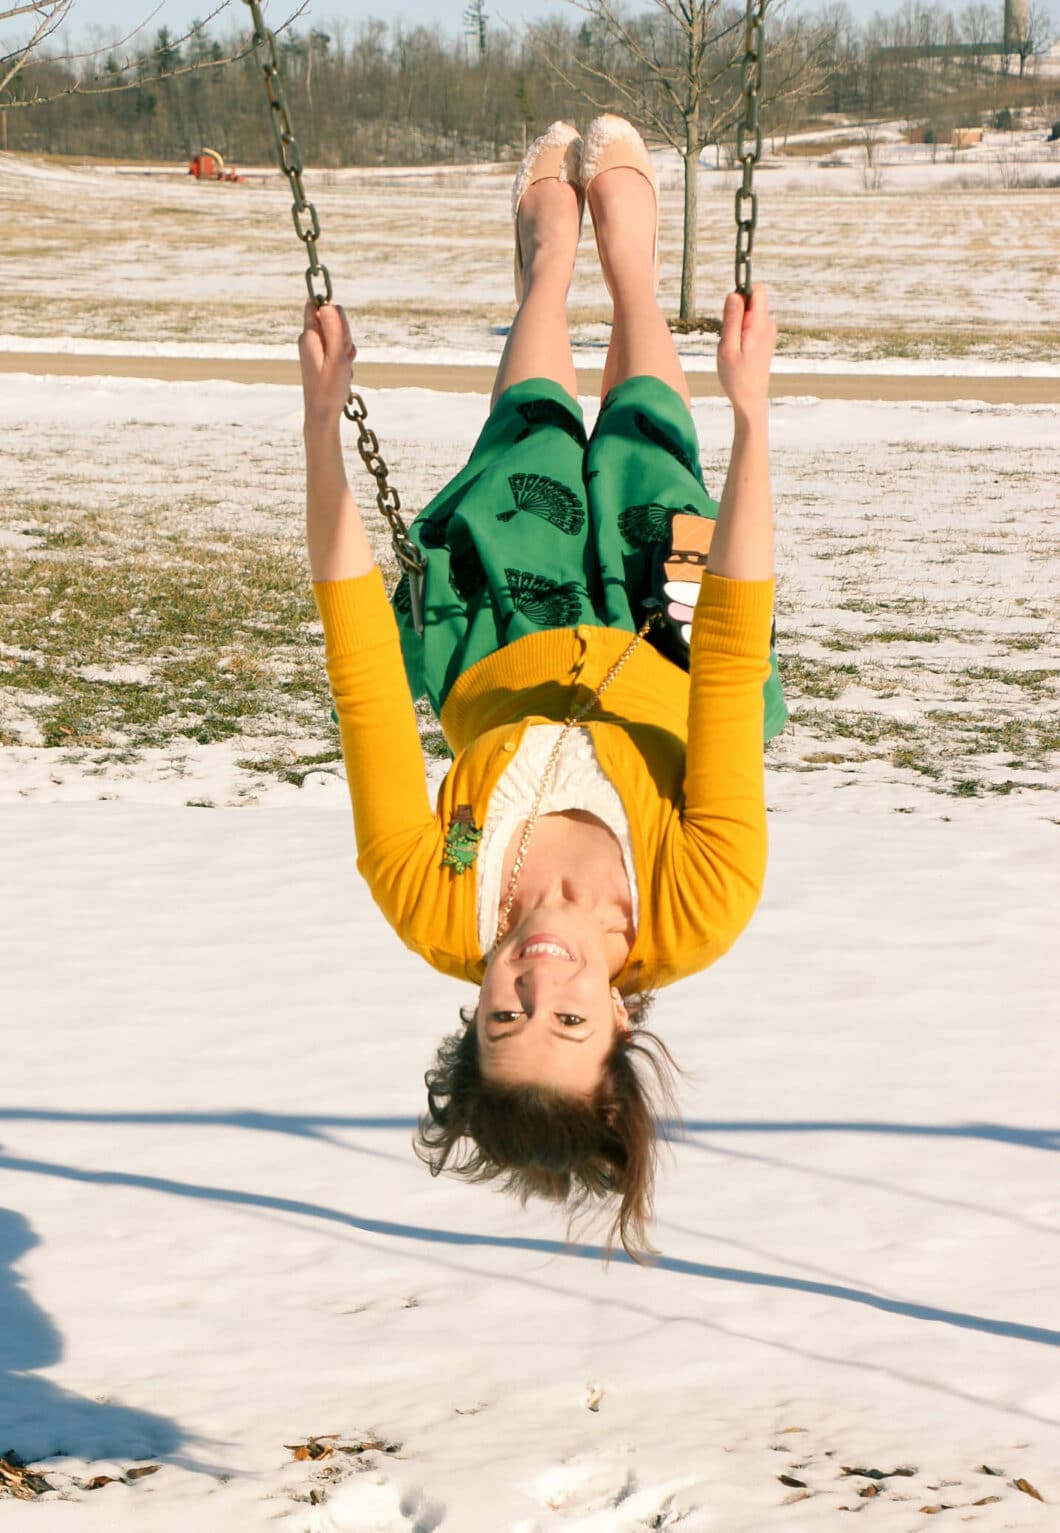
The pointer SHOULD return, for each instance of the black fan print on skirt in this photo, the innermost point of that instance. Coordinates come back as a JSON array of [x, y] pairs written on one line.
[[549, 412], [543, 601], [643, 526], [647, 427], [546, 498], [401, 601]]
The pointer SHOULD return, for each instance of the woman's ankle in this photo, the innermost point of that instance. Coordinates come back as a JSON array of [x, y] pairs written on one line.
[[547, 279]]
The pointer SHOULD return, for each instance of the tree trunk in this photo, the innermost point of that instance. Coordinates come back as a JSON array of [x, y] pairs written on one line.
[[688, 256]]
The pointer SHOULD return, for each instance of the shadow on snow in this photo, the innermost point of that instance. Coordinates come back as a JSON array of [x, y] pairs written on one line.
[[236, 1197], [317, 1125], [38, 1419]]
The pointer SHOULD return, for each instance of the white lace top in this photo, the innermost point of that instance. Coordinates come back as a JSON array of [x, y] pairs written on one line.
[[579, 782]]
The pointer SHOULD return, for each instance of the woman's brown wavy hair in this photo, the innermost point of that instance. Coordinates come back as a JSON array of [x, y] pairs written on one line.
[[567, 1149]]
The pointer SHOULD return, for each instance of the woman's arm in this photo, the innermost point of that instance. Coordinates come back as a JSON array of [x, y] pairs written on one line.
[[380, 739], [724, 821], [742, 548], [338, 543]]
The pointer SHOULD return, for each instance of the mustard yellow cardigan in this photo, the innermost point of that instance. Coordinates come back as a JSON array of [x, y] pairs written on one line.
[[683, 751]]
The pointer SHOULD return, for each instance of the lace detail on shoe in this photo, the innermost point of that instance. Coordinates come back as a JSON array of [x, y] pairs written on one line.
[[602, 132], [557, 136]]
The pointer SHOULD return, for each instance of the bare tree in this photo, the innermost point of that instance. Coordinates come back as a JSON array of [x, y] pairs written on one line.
[[979, 28], [47, 17], [1035, 35], [676, 70], [872, 171], [127, 73]]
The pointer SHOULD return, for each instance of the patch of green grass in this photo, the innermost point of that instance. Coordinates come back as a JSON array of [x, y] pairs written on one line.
[[1031, 681], [1022, 641], [1029, 740], [291, 769], [849, 641], [867, 728], [436, 745], [940, 740], [813, 678], [916, 761], [846, 553], [59, 537], [226, 629], [966, 787], [881, 604], [904, 636]]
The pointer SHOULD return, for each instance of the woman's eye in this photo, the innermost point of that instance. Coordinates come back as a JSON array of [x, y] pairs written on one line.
[[571, 1021]]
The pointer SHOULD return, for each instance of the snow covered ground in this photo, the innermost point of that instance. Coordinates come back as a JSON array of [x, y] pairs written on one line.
[[954, 256], [215, 1241]]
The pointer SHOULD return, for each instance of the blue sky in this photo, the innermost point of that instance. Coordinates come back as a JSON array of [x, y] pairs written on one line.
[[105, 15]]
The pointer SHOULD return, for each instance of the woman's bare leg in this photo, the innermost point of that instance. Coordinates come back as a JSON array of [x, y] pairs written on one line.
[[623, 209], [538, 344]]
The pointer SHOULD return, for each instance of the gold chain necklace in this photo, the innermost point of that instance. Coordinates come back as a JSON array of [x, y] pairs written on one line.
[[546, 777]]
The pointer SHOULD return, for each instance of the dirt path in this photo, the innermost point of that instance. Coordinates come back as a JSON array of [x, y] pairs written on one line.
[[478, 380]]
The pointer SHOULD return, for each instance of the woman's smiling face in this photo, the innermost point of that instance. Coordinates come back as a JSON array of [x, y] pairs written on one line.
[[547, 1014]]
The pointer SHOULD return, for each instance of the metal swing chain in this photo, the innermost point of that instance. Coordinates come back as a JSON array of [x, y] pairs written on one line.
[[749, 144], [318, 281]]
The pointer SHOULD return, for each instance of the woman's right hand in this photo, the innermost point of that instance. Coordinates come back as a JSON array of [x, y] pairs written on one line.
[[745, 351], [325, 353]]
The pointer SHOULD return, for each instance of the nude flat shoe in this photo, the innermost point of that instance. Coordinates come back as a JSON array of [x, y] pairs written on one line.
[[610, 142], [554, 153]]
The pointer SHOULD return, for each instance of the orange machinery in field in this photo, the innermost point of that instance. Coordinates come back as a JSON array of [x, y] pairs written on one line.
[[208, 165]]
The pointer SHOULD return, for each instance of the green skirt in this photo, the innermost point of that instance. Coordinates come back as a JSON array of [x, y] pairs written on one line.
[[546, 529]]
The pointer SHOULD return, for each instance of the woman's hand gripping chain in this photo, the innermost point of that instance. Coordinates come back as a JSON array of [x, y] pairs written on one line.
[[325, 353], [745, 353]]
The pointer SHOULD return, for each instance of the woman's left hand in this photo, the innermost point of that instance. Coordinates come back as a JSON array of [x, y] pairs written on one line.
[[325, 353], [745, 352]]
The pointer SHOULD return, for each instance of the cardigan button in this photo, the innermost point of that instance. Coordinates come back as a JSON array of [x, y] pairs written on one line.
[[582, 630], [509, 745]]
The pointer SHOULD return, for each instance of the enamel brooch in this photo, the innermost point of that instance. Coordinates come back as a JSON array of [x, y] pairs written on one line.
[[461, 840]]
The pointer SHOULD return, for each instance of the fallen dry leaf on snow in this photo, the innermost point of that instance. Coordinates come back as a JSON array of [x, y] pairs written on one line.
[[98, 1481], [797, 1495], [789, 1479], [368, 1445], [906, 1470], [986, 1500], [1027, 1488], [314, 1447], [17, 1478]]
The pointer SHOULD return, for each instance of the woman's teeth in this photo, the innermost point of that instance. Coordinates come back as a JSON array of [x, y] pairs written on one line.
[[545, 949]]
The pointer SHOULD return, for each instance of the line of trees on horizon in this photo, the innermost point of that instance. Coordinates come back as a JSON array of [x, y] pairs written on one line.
[[388, 93]]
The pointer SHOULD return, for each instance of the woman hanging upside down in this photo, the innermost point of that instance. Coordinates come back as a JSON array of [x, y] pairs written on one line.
[[601, 831]]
